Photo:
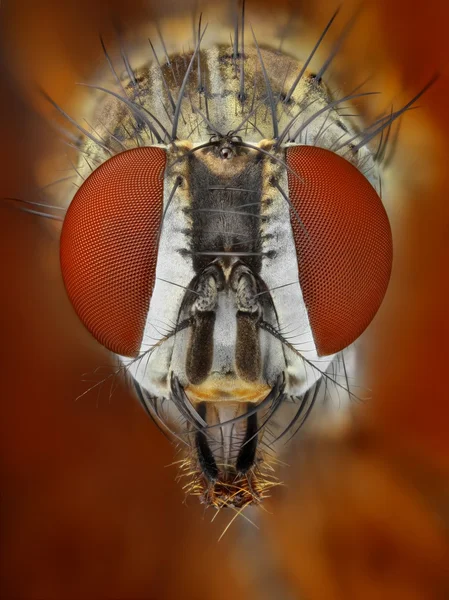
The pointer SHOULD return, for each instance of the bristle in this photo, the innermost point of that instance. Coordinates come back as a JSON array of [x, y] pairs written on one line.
[[176, 185], [132, 107], [183, 87], [330, 106], [127, 64], [208, 123], [309, 58], [292, 208], [337, 47], [161, 38], [242, 95], [77, 125], [167, 89], [236, 35], [269, 90], [109, 61], [200, 81], [303, 402], [184, 287], [396, 114], [56, 182], [272, 331], [36, 212], [115, 138]]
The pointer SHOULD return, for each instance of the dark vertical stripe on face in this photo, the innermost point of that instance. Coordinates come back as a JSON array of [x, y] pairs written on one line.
[[247, 454], [200, 352], [247, 351]]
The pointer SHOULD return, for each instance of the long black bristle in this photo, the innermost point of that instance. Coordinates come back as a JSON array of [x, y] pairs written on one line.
[[200, 81], [276, 334], [396, 114], [246, 119], [329, 106], [34, 212], [81, 151], [111, 66], [32, 203], [292, 121], [269, 90], [56, 182], [136, 110], [167, 89], [206, 102], [242, 96], [143, 402], [382, 151], [169, 201], [236, 36], [75, 168], [178, 391], [393, 146], [337, 46], [322, 129], [75, 124], [335, 148], [127, 64], [114, 137], [156, 120], [183, 87], [292, 208], [208, 123], [300, 412], [309, 58], [164, 47]]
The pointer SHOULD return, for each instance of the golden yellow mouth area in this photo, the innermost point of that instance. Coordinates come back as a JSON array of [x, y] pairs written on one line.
[[227, 389]]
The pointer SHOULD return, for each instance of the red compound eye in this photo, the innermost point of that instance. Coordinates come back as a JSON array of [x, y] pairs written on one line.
[[109, 246], [344, 259]]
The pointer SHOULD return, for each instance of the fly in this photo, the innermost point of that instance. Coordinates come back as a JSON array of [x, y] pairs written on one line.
[[237, 206]]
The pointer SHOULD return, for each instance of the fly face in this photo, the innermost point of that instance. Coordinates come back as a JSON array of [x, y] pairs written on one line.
[[230, 257], [222, 372]]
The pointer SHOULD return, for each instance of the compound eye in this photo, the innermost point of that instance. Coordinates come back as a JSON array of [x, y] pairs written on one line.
[[109, 246], [343, 244]]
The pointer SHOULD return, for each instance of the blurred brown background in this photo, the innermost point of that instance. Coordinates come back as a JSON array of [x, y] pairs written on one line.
[[89, 508]]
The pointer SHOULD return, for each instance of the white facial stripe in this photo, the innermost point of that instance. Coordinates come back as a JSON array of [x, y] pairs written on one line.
[[174, 273], [280, 270]]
